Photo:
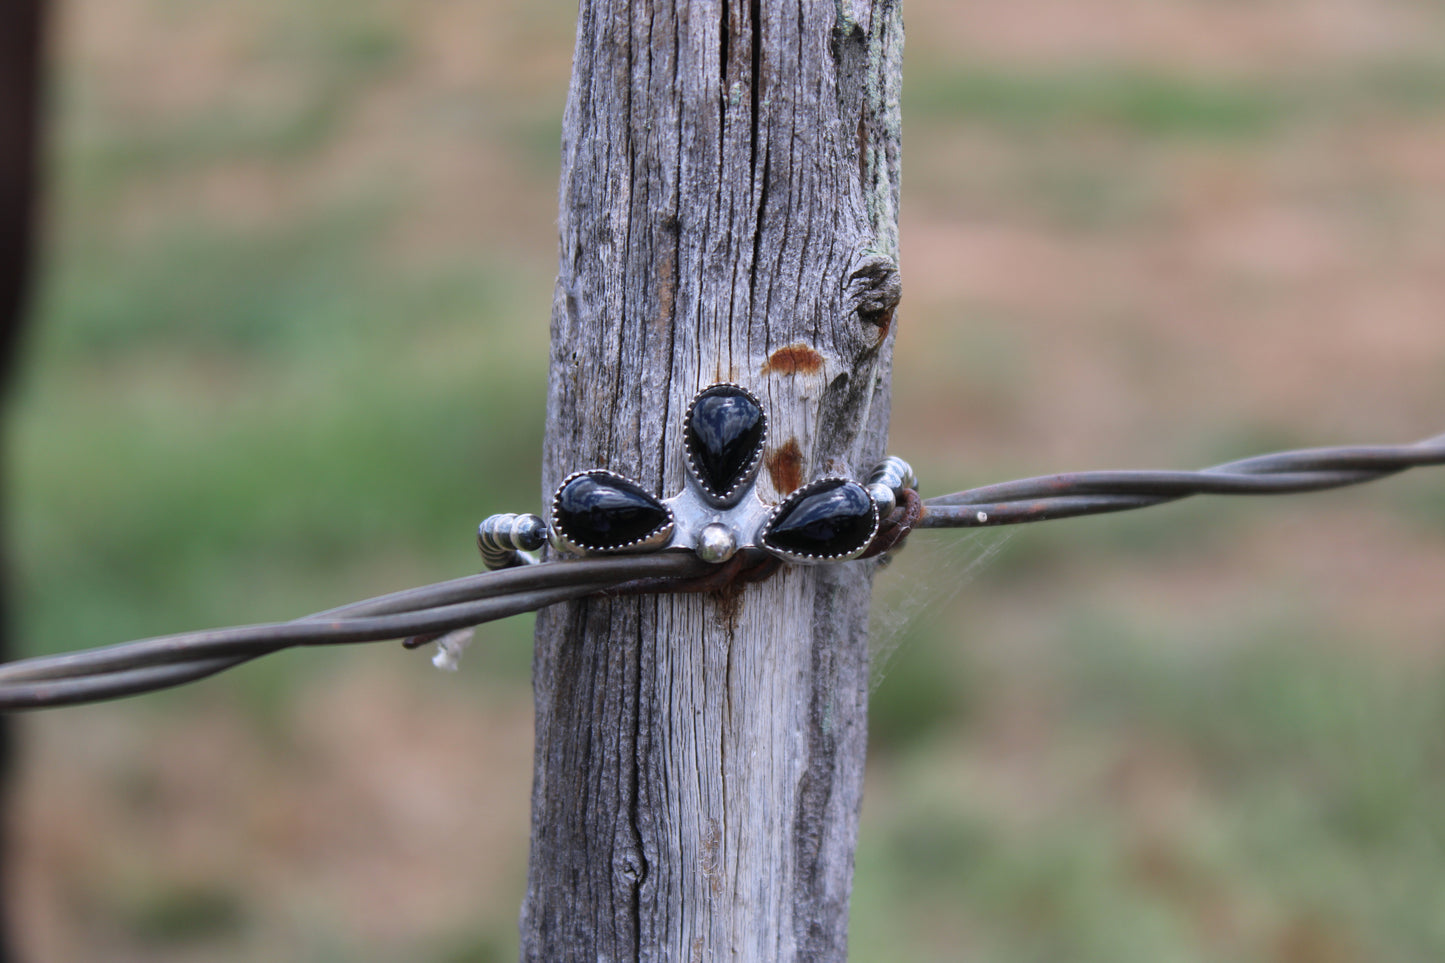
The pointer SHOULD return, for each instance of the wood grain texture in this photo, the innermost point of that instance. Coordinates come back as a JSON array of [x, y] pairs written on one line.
[[728, 211]]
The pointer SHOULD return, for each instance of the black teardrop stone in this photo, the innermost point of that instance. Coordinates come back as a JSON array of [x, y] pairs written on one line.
[[724, 432], [835, 517], [601, 511]]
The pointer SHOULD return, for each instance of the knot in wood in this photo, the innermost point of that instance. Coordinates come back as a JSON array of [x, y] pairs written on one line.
[[874, 289], [629, 864]]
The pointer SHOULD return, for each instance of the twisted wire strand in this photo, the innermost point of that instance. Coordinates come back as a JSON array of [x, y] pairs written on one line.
[[1049, 497], [147, 665]]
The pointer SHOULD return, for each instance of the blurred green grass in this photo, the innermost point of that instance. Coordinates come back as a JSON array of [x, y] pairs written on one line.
[[1100, 783], [228, 421], [211, 404], [1159, 104], [1140, 103], [1227, 803]]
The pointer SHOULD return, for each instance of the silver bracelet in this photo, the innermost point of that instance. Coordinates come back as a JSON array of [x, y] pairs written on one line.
[[717, 513]]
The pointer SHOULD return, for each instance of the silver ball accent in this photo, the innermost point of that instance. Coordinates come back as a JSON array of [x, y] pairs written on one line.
[[883, 497], [910, 477], [529, 532], [716, 543], [502, 539], [895, 473]]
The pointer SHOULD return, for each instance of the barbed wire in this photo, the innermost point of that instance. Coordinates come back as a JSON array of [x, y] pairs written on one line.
[[147, 665]]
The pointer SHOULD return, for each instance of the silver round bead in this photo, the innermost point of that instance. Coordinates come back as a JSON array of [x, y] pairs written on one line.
[[716, 543], [503, 538], [895, 473], [529, 532], [883, 497]]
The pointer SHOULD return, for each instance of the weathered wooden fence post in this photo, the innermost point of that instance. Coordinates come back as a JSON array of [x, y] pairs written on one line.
[[729, 210]]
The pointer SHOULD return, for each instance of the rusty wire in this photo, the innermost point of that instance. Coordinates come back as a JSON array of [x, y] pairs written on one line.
[[146, 665]]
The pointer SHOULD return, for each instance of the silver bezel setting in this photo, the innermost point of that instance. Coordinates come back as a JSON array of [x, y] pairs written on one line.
[[749, 471], [798, 495], [713, 526], [656, 538], [692, 513]]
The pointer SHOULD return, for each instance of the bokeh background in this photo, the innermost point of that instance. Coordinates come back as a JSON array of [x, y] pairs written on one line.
[[291, 346]]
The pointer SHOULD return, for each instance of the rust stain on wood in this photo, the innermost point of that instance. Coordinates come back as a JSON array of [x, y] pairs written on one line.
[[794, 359], [785, 467]]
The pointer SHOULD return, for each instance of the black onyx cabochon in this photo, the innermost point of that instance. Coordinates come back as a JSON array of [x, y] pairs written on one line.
[[600, 510], [834, 517], [723, 434]]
